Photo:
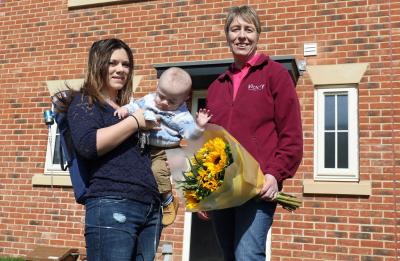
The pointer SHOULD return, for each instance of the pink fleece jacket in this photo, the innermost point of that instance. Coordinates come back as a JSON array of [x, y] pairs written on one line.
[[264, 117]]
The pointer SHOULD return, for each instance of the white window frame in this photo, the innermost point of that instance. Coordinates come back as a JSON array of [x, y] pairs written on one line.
[[91, 3], [51, 168], [336, 174]]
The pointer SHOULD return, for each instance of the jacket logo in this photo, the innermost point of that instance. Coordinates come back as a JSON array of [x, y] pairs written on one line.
[[255, 87]]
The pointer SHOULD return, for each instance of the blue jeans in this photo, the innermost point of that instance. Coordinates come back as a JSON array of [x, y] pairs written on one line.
[[118, 229], [242, 231]]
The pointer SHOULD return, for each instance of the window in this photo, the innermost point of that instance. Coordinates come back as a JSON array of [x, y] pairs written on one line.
[[53, 153], [92, 3], [52, 169], [198, 101], [336, 133]]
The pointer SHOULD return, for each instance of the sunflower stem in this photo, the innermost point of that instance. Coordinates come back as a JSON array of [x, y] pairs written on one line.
[[287, 201]]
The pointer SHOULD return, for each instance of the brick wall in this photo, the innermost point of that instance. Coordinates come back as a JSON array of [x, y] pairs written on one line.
[[44, 40]]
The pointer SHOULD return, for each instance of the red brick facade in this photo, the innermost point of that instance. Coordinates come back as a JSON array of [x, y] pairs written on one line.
[[45, 40]]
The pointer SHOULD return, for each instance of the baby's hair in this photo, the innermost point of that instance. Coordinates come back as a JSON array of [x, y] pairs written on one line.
[[176, 78]]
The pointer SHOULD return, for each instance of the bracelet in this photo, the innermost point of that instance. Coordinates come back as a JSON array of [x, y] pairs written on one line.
[[140, 142], [137, 122]]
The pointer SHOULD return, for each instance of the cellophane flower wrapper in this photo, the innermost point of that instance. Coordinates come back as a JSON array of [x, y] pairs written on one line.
[[243, 178]]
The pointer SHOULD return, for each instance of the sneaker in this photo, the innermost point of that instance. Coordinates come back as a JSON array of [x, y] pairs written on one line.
[[169, 212]]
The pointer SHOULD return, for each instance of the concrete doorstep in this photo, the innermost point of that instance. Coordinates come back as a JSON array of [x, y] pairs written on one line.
[[45, 253]]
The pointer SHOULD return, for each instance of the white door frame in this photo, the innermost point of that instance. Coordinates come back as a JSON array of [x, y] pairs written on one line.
[[187, 225]]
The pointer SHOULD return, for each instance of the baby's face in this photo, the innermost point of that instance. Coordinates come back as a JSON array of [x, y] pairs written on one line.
[[167, 101]]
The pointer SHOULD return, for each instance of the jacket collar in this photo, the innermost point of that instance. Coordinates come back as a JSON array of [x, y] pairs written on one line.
[[262, 60]]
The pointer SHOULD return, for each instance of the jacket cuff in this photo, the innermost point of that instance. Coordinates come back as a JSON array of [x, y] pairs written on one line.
[[276, 175]]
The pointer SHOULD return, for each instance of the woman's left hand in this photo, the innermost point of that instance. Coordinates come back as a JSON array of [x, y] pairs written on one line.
[[152, 125], [203, 215], [146, 124], [270, 188]]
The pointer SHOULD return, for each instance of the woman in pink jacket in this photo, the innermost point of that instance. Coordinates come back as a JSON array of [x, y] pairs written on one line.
[[255, 100]]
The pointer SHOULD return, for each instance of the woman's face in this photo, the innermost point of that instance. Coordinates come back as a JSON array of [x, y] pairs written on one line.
[[118, 71], [242, 39]]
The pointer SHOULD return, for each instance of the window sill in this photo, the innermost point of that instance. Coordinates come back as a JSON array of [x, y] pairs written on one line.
[[53, 179], [362, 188], [90, 3]]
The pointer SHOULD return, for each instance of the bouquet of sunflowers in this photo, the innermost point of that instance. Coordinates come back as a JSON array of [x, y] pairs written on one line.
[[216, 172], [207, 171]]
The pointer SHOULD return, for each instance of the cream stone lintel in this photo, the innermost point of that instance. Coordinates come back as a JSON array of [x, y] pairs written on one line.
[[349, 73], [61, 178], [76, 84], [362, 188], [80, 3], [60, 85]]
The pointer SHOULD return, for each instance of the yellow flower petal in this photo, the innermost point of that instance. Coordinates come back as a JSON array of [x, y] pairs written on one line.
[[209, 164]]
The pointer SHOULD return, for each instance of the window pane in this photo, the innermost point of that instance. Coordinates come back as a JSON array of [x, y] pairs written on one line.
[[342, 104], [201, 103], [56, 152], [329, 112], [329, 150], [343, 150]]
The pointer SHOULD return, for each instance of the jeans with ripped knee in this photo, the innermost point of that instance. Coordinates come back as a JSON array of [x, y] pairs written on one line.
[[120, 229]]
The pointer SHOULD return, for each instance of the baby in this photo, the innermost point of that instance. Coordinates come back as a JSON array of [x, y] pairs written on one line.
[[168, 104]]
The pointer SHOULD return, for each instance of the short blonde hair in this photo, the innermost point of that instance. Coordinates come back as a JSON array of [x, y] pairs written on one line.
[[247, 13]]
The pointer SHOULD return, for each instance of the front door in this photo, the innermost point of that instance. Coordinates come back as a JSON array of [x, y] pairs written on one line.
[[200, 243]]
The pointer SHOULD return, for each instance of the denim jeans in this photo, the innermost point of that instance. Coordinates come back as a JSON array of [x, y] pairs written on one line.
[[242, 231], [118, 229]]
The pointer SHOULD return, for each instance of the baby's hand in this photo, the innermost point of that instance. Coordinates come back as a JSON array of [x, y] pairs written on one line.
[[121, 113], [202, 117]]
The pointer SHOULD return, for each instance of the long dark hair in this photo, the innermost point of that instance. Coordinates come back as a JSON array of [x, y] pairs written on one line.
[[97, 74], [97, 71]]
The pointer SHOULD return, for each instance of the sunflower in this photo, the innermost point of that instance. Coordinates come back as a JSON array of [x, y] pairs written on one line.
[[207, 169], [191, 200]]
